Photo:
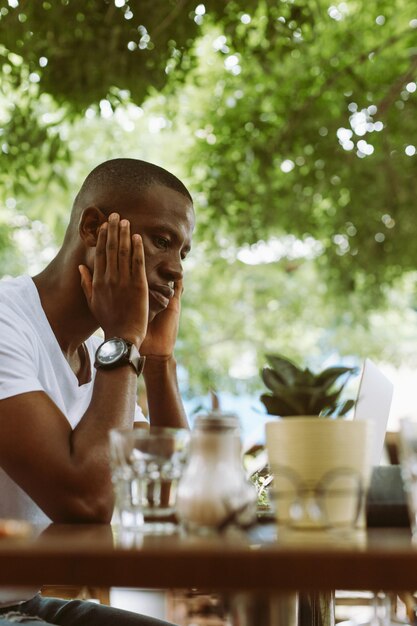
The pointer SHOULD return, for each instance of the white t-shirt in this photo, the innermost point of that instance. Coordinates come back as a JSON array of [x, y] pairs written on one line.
[[31, 360]]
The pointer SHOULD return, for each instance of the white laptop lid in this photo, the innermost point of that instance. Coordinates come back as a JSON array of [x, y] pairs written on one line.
[[373, 403]]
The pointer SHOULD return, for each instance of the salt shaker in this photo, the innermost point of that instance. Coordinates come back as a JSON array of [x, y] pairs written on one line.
[[213, 492]]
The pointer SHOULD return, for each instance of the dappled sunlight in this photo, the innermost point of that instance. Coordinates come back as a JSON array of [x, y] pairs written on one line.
[[275, 249], [302, 170]]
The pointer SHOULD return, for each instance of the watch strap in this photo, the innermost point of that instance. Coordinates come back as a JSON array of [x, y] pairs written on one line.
[[135, 359]]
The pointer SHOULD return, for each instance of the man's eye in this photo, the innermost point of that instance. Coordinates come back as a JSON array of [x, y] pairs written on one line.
[[161, 242]]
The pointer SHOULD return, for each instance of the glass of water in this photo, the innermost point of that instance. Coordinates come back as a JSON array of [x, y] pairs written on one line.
[[146, 466]]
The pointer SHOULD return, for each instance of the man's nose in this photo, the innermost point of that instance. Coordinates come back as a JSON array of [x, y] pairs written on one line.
[[173, 270]]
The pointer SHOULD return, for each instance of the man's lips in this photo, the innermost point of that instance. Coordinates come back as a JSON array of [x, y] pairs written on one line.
[[162, 294]]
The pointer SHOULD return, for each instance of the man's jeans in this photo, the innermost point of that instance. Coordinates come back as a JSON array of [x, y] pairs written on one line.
[[38, 611]]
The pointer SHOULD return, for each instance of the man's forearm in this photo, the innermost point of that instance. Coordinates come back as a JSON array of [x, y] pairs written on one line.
[[164, 400]]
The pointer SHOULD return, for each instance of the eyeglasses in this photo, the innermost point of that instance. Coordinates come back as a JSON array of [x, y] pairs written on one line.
[[335, 500]]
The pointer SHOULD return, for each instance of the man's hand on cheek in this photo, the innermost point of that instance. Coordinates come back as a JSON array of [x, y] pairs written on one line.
[[117, 293], [163, 329]]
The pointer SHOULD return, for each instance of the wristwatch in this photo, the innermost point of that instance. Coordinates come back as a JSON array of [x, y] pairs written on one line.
[[116, 352]]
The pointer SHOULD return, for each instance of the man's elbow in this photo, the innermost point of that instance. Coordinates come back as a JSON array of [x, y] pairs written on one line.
[[85, 511]]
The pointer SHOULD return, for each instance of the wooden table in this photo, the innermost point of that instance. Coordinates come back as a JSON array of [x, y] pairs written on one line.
[[257, 562]]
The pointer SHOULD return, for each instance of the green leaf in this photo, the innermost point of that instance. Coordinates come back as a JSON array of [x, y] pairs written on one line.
[[288, 370], [318, 403], [328, 376], [272, 379], [280, 406], [345, 407]]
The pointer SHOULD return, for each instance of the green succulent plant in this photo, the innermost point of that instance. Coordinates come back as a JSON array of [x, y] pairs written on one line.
[[297, 391]]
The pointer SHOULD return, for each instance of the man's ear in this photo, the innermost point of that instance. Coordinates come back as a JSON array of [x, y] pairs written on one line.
[[90, 221]]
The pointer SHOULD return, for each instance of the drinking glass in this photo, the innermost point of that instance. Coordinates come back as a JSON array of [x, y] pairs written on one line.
[[146, 467]]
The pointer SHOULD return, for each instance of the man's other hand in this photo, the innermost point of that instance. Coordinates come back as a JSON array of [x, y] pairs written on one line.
[[163, 330]]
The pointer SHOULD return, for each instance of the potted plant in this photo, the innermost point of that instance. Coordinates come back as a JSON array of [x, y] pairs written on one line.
[[299, 391], [320, 467]]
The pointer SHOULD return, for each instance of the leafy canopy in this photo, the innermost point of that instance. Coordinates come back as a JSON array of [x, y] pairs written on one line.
[[301, 112], [307, 127]]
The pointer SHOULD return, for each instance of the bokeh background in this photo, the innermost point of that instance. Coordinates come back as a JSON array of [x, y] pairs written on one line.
[[294, 125]]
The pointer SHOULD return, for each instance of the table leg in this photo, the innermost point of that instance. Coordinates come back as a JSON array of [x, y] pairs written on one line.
[[263, 609], [316, 609]]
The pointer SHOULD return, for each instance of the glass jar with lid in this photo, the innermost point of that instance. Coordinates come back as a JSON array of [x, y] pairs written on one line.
[[213, 492]]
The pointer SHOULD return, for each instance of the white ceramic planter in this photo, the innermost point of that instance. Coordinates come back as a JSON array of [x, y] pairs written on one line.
[[321, 470]]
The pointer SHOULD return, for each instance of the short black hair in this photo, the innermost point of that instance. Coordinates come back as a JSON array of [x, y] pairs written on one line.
[[128, 176]]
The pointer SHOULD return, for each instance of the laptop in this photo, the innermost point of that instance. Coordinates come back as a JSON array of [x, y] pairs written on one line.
[[374, 403]]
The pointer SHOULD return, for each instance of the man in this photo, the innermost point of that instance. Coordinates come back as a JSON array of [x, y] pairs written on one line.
[[120, 269]]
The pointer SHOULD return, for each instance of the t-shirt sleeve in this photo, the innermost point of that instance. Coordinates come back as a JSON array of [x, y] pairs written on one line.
[[18, 360], [139, 416]]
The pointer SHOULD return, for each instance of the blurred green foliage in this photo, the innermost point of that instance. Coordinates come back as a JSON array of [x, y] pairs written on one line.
[[82, 51], [283, 117], [307, 107], [308, 125]]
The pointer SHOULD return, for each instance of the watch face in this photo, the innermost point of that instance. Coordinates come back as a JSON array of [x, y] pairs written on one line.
[[111, 351]]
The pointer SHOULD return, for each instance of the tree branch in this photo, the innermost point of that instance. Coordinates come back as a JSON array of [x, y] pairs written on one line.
[[169, 18], [332, 79], [396, 87]]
